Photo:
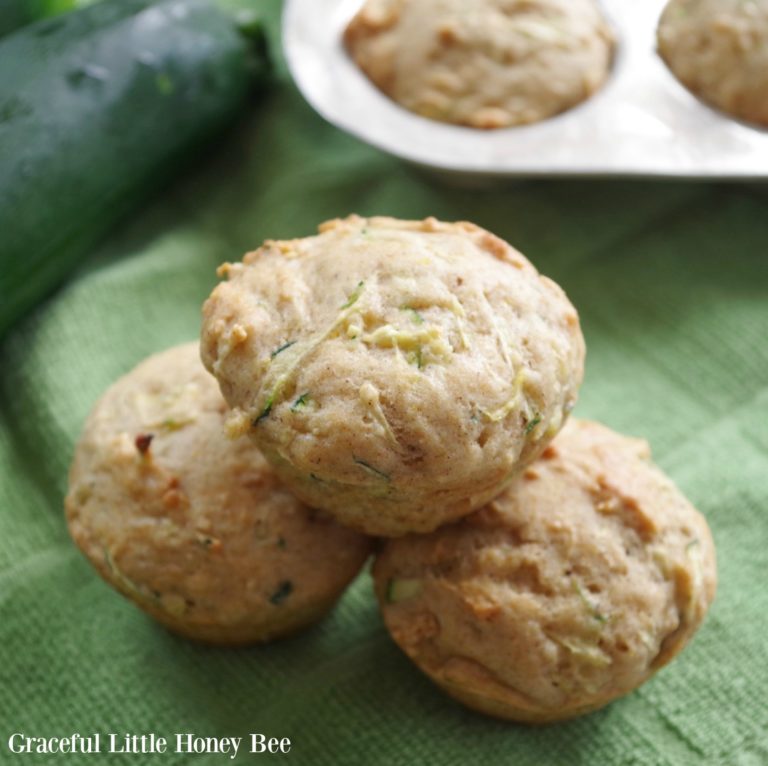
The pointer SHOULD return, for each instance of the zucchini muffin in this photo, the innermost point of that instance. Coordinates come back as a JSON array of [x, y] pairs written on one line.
[[571, 589], [395, 373], [191, 526], [485, 63], [718, 49]]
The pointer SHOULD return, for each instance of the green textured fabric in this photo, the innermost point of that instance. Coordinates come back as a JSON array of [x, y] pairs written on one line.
[[671, 280]]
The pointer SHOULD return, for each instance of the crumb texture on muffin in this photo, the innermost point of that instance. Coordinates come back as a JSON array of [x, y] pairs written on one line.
[[586, 576], [194, 527], [718, 49], [395, 373], [485, 63]]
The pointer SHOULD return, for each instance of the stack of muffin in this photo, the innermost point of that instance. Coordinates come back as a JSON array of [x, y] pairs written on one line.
[[411, 382]]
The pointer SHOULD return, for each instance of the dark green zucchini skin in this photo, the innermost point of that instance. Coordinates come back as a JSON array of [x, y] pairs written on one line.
[[18, 13], [97, 108], [12, 15]]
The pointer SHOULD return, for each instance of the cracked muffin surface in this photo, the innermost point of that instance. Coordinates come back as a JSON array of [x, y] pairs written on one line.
[[395, 373], [485, 63], [572, 588], [718, 49], [193, 527]]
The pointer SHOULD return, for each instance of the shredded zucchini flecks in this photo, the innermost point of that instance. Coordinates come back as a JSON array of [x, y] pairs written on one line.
[[354, 295], [589, 653], [265, 412], [300, 402], [402, 589], [127, 583], [426, 343], [450, 302], [415, 315], [532, 423], [590, 607], [458, 310], [371, 470], [500, 413], [285, 365], [282, 348], [541, 31], [369, 396], [171, 411]]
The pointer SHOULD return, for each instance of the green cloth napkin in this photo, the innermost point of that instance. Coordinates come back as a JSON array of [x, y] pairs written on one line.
[[671, 280]]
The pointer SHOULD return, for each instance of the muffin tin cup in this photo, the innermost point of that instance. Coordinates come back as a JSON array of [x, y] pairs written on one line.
[[642, 123]]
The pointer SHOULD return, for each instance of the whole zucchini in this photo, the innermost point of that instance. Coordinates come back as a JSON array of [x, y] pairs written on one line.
[[97, 107]]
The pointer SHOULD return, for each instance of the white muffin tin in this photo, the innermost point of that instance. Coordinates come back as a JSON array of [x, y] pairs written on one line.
[[642, 122]]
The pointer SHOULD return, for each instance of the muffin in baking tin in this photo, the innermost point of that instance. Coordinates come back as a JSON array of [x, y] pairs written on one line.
[[718, 49], [485, 63]]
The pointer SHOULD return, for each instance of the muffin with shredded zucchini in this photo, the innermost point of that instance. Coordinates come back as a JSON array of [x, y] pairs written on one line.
[[485, 63], [586, 576], [191, 526], [395, 373], [718, 49]]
